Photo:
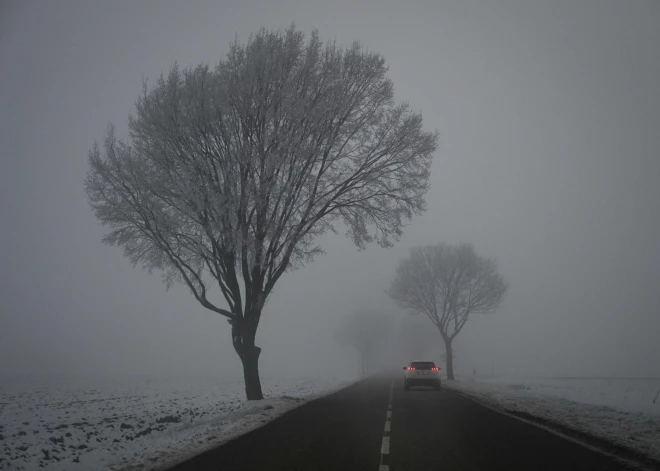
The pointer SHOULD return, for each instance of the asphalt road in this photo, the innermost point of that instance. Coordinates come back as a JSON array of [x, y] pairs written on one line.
[[428, 430]]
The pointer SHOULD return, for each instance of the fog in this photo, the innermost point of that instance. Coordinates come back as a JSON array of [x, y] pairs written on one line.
[[549, 160]]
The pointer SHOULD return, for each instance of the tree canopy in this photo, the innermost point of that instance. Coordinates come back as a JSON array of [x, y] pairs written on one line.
[[230, 173]]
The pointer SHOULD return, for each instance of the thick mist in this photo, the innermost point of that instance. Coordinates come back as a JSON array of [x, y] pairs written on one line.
[[548, 160]]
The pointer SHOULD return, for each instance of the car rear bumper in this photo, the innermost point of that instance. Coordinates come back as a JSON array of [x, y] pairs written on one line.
[[422, 381]]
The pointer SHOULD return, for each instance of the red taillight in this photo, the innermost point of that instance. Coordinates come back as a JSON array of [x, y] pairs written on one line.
[[435, 368], [411, 368]]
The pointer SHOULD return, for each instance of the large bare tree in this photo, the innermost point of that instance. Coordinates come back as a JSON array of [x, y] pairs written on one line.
[[229, 174], [448, 284]]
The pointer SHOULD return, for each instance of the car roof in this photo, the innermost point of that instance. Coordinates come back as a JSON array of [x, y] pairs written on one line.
[[422, 361]]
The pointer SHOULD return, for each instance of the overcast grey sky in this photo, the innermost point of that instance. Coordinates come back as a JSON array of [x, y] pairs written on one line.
[[549, 114]]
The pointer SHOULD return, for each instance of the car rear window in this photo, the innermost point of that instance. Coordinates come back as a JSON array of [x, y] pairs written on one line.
[[422, 365]]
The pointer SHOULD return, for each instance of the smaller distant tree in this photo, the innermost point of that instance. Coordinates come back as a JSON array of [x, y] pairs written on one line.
[[448, 284], [366, 330]]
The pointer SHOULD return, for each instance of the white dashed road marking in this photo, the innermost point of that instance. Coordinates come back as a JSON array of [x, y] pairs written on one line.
[[385, 445]]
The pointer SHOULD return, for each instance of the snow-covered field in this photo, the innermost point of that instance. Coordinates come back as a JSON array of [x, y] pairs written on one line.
[[133, 423], [620, 411]]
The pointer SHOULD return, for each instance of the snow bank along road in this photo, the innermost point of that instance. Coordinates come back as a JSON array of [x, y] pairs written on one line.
[[376, 425]]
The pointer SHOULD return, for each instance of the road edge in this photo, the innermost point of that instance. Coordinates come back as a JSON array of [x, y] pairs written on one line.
[[619, 453]]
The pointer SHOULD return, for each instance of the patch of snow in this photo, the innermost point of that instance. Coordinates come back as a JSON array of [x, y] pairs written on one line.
[[620, 411], [134, 424]]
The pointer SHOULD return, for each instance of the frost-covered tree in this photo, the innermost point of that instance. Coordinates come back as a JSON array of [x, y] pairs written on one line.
[[231, 173], [448, 283]]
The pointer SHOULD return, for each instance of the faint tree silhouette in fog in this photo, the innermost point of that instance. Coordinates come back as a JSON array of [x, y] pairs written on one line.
[[369, 332]]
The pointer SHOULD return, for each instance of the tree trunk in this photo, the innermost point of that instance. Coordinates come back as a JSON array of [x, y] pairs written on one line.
[[243, 335], [250, 361], [449, 359]]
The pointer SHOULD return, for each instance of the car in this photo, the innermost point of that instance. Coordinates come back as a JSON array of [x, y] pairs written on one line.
[[421, 373]]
